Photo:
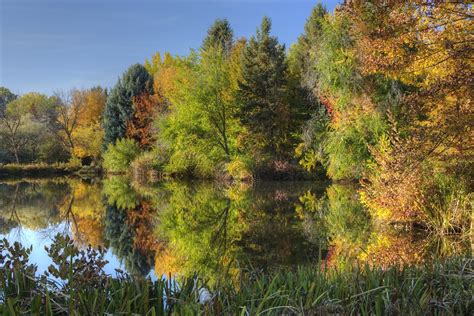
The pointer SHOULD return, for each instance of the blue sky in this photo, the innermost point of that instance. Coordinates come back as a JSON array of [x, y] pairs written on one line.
[[47, 45]]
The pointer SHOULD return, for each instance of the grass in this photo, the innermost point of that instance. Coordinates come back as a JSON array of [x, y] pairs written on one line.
[[445, 288], [38, 170]]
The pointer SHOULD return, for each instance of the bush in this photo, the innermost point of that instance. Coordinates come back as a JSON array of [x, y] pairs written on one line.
[[145, 167], [241, 168], [118, 157]]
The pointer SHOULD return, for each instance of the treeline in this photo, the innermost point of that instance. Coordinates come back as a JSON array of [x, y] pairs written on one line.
[[65, 127], [231, 108], [377, 93]]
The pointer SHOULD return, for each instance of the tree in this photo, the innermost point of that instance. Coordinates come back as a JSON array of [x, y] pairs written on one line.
[[219, 34], [68, 109], [304, 52], [22, 125], [88, 135], [140, 125], [263, 107], [6, 96], [350, 118], [118, 156], [423, 168], [119, 107], [200, 128], [11, 120]]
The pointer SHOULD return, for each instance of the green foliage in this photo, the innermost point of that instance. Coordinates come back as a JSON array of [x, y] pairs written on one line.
[[28, 132], [144, 166], [448, 206], [118, 192], [339, 135], [118, 156], [264, 110], [6, 96], [119, 107], [241, 168], [220, 34], [200, 130]]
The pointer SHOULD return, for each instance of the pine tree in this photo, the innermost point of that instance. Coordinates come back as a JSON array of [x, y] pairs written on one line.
[[219, 34], [264, 110], [135, 82]]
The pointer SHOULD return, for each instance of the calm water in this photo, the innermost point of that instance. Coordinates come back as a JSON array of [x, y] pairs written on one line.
[[181, 227]]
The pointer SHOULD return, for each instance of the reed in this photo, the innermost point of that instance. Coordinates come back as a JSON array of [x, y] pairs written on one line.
[[444, 288]]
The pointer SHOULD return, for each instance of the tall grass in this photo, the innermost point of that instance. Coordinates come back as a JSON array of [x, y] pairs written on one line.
[[436, 289]]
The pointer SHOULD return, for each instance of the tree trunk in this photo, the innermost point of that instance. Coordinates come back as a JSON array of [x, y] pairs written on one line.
[[15, 153]]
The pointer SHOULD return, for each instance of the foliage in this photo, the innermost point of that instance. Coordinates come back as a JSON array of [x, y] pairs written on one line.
[[140, 125], [220, 34], [119, 107], [426, 48], [145, 167], [200, 129], [118, 156], [26, 129], [88, 135], [440, 288], [264, 110]]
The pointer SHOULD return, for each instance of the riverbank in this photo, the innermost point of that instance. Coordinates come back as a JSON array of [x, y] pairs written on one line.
[[41, 170], [440, 288]]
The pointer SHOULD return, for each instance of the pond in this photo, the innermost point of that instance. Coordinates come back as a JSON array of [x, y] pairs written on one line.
[[216, 230]]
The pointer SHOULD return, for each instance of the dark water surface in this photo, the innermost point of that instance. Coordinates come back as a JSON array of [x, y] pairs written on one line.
[[215, 230]]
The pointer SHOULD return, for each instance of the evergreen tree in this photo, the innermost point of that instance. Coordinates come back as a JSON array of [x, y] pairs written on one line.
[[305, 49], [135, 82], [219, 34], [264, 110]]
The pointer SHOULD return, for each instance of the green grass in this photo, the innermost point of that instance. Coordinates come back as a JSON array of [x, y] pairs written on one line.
[[44, 170], [445, 288], [37, 169]]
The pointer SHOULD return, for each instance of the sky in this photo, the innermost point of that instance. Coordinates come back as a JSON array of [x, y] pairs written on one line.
[[49, 45]]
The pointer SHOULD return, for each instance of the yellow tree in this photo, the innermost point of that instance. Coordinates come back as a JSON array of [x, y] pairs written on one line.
[[425, 46], [89, 133]]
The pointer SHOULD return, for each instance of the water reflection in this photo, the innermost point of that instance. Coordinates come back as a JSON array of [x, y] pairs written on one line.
[[214, 230]]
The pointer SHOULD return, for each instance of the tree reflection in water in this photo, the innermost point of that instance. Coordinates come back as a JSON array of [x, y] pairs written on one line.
[[215, 230]]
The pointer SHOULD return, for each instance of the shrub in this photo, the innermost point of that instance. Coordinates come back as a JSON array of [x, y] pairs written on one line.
[[241, 168], [118, 157], [144, 167]]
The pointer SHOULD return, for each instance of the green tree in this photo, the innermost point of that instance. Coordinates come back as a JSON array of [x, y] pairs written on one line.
[[201, 127], [135, 82], [219, 34], [118, 156], [6, 96], [25, 127], [264, 110]]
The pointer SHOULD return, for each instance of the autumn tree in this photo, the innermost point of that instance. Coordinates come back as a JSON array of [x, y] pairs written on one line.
[[424, 166], [140, 125], [200, 128], [88, 135], [119, 107], [68, 108]]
